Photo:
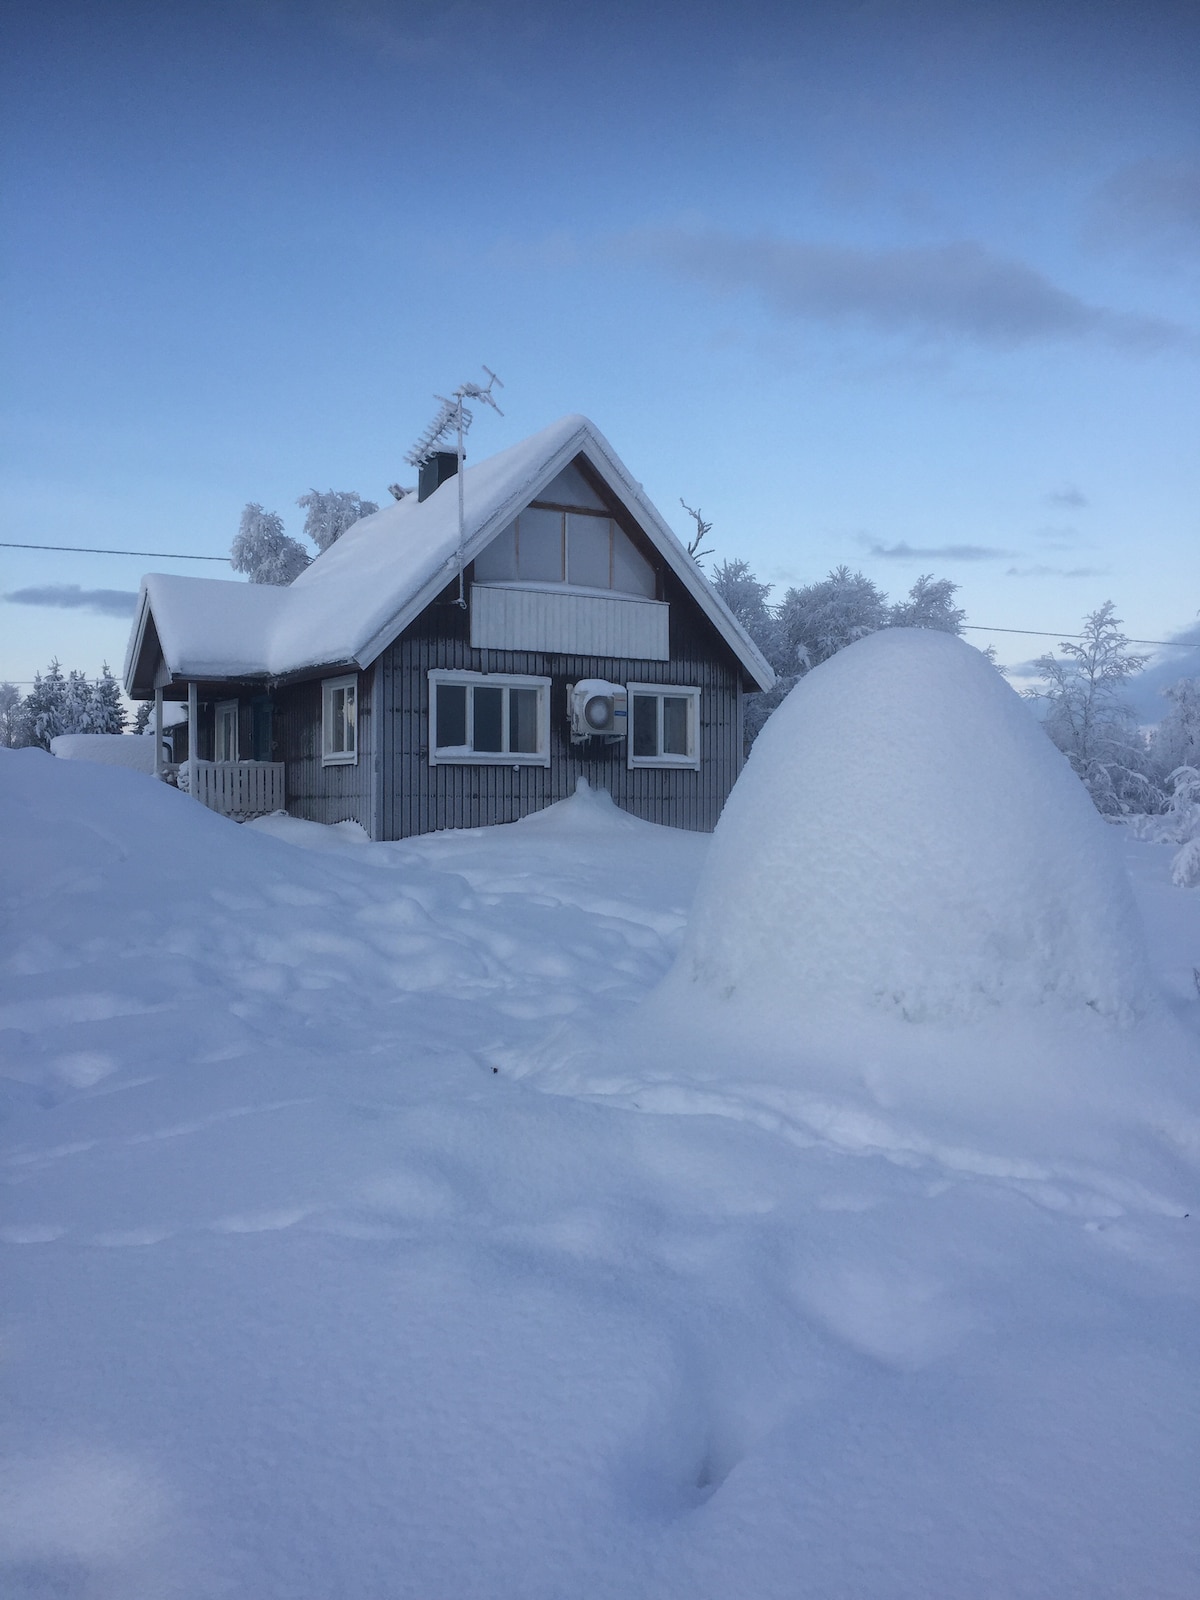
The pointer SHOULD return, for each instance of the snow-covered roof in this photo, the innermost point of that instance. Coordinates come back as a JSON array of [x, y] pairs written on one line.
[[358, 595]]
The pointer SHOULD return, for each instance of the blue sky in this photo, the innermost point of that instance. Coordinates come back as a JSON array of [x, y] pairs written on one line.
[[908, 286]]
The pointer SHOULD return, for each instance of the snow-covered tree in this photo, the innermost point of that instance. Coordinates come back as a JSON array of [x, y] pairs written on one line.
[[746, 597], [329, 514], [76, 710], [1090, 721], [1177, 737], [262, 549], [142, 716], [41, 711], [822, 618], [930, 604], [106, 714], [10, 715]]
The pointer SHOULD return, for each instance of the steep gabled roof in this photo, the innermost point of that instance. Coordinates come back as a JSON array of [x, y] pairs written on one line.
[[363, 591]]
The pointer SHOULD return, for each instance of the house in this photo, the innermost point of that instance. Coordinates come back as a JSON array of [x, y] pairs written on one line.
[[463, 657]]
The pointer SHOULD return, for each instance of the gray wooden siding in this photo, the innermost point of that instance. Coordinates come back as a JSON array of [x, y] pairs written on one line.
[[417, 798], [316, 792], [615, 626]]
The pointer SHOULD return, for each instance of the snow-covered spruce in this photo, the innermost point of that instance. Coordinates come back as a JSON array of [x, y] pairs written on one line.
[[906, 836]]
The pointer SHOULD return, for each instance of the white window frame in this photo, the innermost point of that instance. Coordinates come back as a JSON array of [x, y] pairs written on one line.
[[689, 762], [330, 687], [452, 756], [225, 709]]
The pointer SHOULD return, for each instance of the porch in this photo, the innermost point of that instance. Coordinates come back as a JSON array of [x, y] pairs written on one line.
[[234, 788], [238, 789]]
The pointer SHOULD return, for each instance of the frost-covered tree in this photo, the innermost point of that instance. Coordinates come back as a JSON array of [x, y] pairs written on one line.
[[822, 618], [76, 711], [141, 720], [930, 604], [746, 597], [1089, 719], [262, 550], [329, 514], [41, 714], [106, 714], [10, 715], [1177, 738]]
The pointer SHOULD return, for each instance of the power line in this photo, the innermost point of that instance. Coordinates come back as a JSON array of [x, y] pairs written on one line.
[[90, 550], [1041, 633]]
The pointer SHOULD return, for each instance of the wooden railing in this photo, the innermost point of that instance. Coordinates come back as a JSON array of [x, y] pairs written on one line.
[[239, 789]]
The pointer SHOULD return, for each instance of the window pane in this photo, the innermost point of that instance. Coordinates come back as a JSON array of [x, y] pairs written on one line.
[[451, 716], [540, 546], [645, 725], [349, 722], [675, 725], [571, 488], [523, 721], [632, 573], [489, 710], [336, 719], [589, 542], [498, 563]]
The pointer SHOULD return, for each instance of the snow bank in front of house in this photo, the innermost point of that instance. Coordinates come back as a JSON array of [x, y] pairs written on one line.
[[905, 837], [109, 749], [301, 1298]]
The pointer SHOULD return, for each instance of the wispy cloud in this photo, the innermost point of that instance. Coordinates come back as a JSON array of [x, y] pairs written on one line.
[[935, 552], [1056, 572], [1068, 496], [70, 597], [958, 292], [1154, 202]]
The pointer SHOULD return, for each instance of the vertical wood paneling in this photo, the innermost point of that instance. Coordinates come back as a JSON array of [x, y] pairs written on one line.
[[316, 792], [417, 798]]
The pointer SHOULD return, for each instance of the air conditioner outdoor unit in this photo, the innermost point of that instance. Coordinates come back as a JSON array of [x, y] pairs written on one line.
[[597, 709]]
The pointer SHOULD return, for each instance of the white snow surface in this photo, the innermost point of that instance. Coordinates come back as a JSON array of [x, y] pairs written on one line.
[[906, 836], [302, 1298], [352, 600], [110, 749]]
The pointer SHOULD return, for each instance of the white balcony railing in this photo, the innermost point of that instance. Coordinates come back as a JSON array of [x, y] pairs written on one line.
[[236, 788]]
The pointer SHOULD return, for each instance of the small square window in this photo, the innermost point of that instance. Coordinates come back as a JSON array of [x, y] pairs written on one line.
[[339, 721], [665, 726]]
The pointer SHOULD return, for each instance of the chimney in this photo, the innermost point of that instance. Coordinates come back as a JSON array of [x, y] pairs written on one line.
[[434, 471]]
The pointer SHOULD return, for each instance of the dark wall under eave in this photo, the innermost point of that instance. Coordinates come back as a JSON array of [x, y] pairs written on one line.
[[415, 797], [316, 792]]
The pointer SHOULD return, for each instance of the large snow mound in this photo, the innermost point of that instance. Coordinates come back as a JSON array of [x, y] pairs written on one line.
[[906, 836]]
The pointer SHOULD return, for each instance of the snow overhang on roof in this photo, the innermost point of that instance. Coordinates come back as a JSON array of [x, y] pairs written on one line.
[[362, 592]]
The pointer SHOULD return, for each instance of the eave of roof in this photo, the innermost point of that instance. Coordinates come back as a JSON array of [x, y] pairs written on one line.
[[359, 595]]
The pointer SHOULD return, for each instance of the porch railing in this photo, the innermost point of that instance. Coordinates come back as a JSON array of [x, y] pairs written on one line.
[[239, 789]]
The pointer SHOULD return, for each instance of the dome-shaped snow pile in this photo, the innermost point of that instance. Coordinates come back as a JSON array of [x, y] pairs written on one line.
[[906, 835]]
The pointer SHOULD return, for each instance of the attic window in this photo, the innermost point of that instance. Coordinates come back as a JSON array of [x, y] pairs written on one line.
[[582, 549]]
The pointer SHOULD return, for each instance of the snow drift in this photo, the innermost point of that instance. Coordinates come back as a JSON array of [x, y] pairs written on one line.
[[109, 749], [905, 836]]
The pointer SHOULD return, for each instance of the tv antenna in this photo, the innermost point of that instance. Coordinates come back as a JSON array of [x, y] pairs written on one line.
[[453, 416]]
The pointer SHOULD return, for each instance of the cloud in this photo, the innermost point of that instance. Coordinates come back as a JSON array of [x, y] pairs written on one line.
[[70, 597], [1068, 496], [961, 291], [1155, 201], [936, 552], [1056, 572]]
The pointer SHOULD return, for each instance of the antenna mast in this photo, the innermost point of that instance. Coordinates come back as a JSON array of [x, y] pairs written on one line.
[[453, 414]]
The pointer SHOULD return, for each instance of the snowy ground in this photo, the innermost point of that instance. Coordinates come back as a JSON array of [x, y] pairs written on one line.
[[301, 1297]]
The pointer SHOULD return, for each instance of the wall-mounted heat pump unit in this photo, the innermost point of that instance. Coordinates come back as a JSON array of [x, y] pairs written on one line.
[[597, 709]]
